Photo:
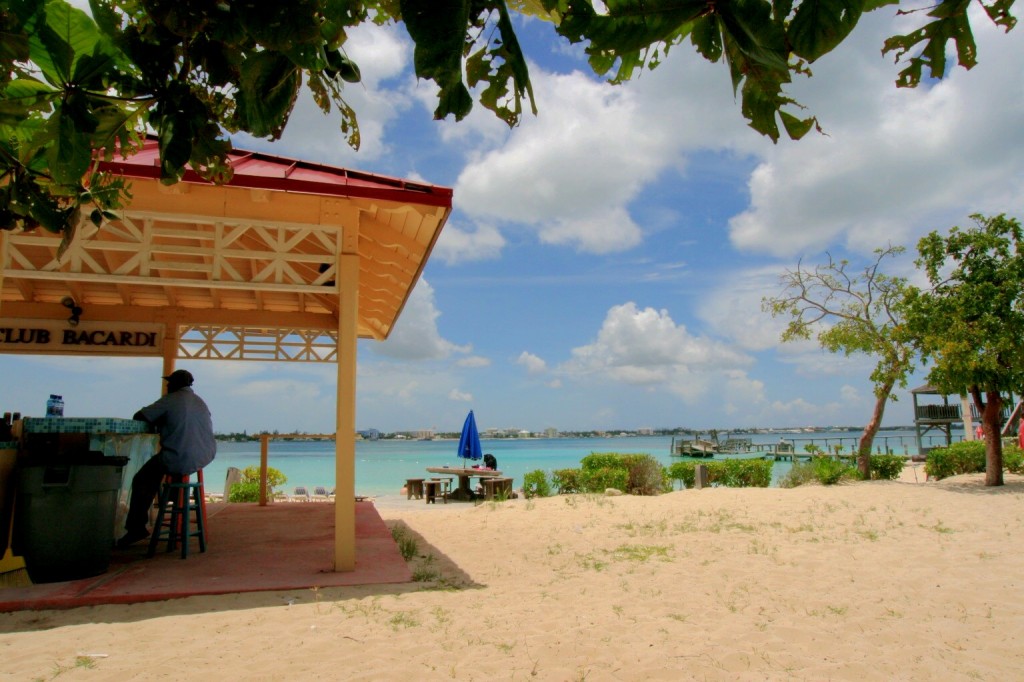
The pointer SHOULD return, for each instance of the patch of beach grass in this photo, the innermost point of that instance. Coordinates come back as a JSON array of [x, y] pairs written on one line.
[[368, 610], [645, 529], [640, 553], [940, 528], [829, 610], [426, 571], [805, 527], [590, 562], [407, 546], [81, 662], [442, 617], [761, 547], [576, 499], [403, 620], [734, 602], [685, 526]]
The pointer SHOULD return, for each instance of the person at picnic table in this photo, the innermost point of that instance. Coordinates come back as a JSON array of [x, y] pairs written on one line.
[[186, 445]]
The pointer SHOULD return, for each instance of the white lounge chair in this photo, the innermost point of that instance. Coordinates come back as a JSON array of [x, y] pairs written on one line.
[[300, 494]]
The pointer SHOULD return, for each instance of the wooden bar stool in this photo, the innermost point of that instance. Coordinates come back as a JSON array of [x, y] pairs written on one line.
[[437, 487], [488, 484], [414, 488], [182, 502]]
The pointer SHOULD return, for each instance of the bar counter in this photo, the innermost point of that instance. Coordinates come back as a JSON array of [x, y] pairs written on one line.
[[76, 439]]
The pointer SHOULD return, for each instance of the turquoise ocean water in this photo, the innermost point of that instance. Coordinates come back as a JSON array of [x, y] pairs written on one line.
[[382, 466]]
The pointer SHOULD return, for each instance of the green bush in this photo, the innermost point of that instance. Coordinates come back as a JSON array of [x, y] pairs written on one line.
[[886, 467], [745, 473], [245, 492], [966, 457], [645, 475], [682, 472], [599, 480], [602, 460], [829, 470], [249, 489], [731, 473], [567, 480], [823, 469], [801, 473], [1013, 459], [535, 484]]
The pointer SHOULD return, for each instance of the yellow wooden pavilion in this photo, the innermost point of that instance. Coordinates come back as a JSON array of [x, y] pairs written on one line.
[[289, 261]]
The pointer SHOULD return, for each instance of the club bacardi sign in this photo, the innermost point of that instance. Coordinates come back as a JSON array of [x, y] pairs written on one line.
[[85, 338]]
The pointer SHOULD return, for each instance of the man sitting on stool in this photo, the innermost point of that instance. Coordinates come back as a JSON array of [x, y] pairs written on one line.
[[186, 446]]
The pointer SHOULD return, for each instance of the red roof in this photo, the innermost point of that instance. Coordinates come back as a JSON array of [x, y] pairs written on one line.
[[257, 170]]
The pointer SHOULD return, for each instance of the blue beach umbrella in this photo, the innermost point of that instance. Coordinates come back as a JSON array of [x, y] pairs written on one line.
[[469, 443]]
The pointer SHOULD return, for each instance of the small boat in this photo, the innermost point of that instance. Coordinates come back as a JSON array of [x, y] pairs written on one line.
[[736, 446]]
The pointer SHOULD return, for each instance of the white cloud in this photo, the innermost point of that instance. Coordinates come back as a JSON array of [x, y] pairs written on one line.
[[415, 336], [647, 348], [732, 309], [473, 362], [532, 363], [569, 173], [457, 245], [896, 162], [460, 396], [849, 394]]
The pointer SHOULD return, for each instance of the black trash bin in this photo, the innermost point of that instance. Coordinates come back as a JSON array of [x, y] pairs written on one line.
[[64, 518]]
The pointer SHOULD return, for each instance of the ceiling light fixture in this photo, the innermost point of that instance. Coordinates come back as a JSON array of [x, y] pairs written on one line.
[[76, 310]]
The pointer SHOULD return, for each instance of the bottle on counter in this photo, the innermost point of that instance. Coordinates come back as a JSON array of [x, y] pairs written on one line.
[[55, 406]]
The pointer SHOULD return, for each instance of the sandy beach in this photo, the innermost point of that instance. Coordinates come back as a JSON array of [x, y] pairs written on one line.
[[901, 580]]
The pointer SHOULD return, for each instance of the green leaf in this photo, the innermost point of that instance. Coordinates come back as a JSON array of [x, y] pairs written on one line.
[[630, 24], [267, 91], [761, 41], [70, 153], [707, 38], [24, 96], [438, 29], [951, 23], [57, 45], [796, 128], [818, 26], [999, 13]]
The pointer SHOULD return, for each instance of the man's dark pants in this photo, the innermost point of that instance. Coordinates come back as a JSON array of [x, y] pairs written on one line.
[[145, 486]]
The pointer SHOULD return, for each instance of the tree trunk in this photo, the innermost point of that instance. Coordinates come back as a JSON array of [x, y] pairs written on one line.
[[993, 439], [867, 439]]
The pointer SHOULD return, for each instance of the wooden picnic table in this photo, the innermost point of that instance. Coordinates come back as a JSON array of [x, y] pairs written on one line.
[[463, 491]]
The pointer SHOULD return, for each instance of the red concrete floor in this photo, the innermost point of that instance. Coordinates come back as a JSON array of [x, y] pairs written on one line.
[[250, 549]]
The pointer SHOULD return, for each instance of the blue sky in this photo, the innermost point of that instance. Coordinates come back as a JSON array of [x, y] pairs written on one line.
[[605, 261]]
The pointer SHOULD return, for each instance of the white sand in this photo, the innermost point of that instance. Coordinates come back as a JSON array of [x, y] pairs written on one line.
[[867, 581]]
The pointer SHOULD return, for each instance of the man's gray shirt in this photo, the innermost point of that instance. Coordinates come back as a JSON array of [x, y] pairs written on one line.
[[186, 430]]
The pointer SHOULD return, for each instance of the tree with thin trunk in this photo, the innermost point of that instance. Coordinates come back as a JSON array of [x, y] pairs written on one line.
[[970, 323], [851, 313]]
